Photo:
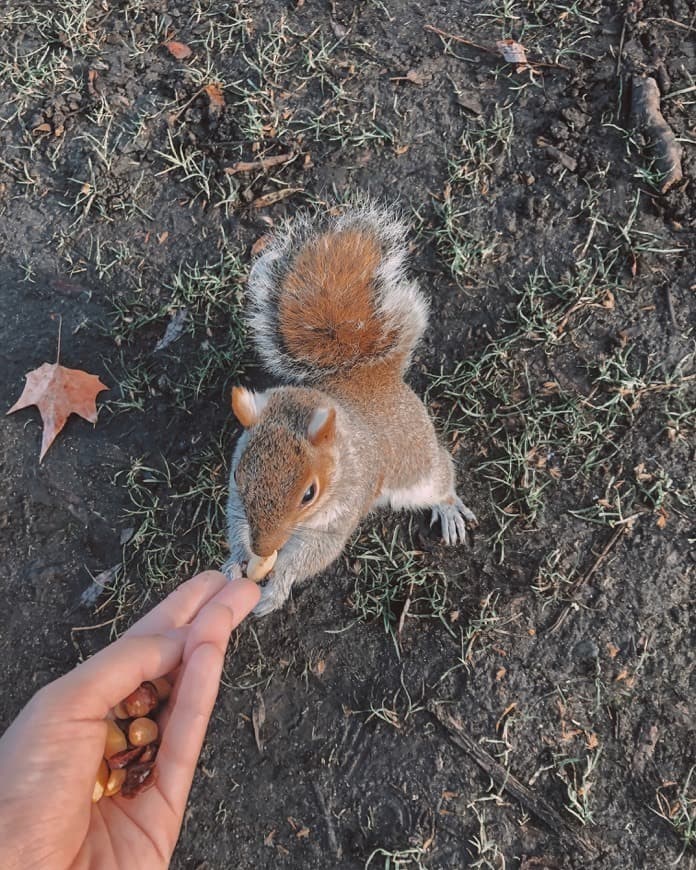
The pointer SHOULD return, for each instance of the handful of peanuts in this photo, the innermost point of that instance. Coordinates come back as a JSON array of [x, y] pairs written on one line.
[[132, 741]]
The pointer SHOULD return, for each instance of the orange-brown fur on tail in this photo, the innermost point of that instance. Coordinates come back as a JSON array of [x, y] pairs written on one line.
[[328, 315], [333, 296]]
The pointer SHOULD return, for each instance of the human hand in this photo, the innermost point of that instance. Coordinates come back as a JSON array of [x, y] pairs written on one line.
[[50, 754]]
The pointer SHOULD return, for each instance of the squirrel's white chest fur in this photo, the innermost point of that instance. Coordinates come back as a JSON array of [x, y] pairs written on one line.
[[425, 492]]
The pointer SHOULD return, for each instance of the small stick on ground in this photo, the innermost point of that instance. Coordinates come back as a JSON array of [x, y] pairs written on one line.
[[670, 308], [584, 578], [258, 165], [645, 108], [502, 777]]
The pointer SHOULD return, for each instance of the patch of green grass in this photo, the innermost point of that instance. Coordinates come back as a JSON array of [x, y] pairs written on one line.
[[399, 710], [207, 300], [177, 521], [486, 851], [480, 152], [395, 582], [200, 173], [676, 804], [478, 633], [554, 576], [578, 776], [534, 432]]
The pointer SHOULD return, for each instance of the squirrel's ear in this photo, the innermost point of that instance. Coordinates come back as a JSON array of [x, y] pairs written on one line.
[[247, 406], [322, 426]]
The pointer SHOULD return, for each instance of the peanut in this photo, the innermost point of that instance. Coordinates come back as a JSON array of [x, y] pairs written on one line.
[[163, 688], [142, 731], [142, 701], [100, 782], [115, 781], [259, 567], [115, 739], [120, 711]]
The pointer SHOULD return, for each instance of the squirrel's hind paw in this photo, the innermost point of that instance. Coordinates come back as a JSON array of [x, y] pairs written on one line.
[[454, 519]]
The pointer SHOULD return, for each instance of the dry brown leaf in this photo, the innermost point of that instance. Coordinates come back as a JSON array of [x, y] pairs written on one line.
[[214, 92], [59, 392], [415, 77], [612, 649], [500, 673], [591, 740], [662, 519], [216, 101], [261, 243], [512, 51], [179, 50]]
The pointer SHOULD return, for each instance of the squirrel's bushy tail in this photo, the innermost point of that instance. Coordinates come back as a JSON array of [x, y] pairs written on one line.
[[330, 295]]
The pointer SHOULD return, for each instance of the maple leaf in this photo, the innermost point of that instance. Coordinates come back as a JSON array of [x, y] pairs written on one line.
[[59, 392]]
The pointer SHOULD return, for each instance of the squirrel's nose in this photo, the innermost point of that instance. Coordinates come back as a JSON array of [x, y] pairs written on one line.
[[264, 547]]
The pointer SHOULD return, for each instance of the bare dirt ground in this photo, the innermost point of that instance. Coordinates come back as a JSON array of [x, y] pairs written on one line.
[[526, 703]]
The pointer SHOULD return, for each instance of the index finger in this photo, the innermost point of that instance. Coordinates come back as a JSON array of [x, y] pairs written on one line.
[[197, 688], [181, 606]]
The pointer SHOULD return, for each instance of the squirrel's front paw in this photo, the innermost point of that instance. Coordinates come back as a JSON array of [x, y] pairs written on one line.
[[231, 569], [454, 520], [273, 595]]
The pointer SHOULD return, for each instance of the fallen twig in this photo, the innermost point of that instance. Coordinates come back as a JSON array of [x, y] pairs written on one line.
[[648, 117], [258, 165], [502, 777], [585, 578]]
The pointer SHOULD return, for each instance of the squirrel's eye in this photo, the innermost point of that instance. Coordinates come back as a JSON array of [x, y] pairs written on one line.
[[310, 492]]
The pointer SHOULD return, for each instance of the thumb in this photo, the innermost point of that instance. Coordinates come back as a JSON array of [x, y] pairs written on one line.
[[97, 685]]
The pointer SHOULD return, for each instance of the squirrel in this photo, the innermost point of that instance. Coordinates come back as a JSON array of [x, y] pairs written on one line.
[[335, 316]]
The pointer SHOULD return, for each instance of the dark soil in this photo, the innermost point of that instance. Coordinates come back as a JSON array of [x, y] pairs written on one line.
[[355, 769]]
